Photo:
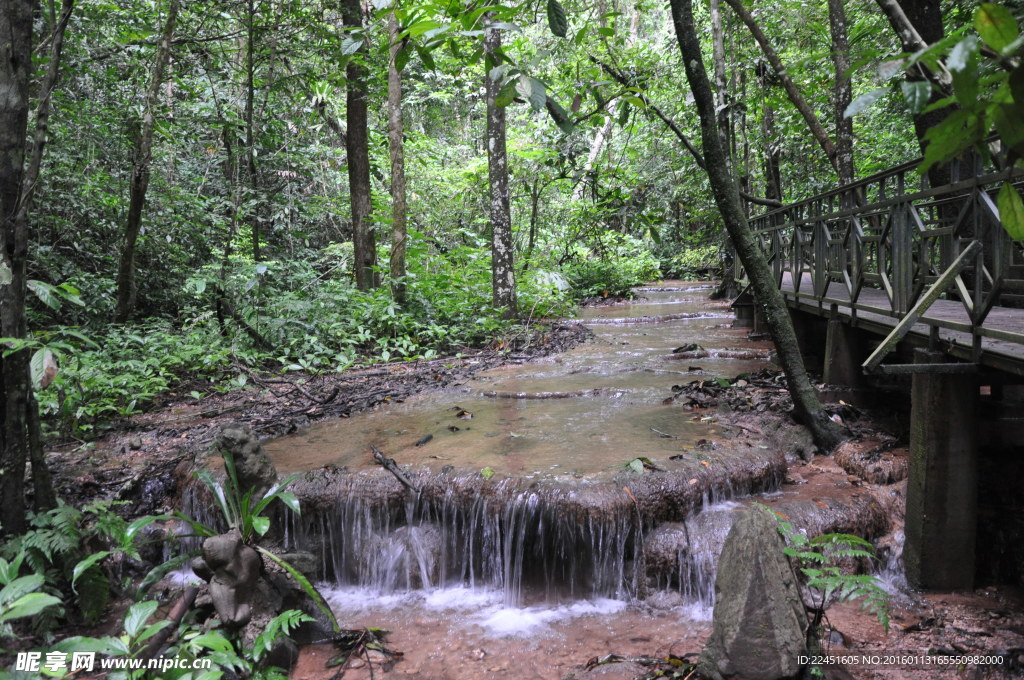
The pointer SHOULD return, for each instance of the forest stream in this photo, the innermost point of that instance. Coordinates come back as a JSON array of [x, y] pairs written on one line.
[[573, 506]]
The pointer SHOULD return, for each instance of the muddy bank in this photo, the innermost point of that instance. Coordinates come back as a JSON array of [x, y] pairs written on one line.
[[138, 459]]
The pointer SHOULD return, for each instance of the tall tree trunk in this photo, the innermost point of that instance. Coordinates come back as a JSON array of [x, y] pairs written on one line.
[[918, 23], [396, 128], [44, 497], [141, 159], [503, 273], [15, 379], [357, 145], [727, 289], [806, 406], [253, 213], [815, 126], [718, 58], [772, 157], [842, 91]]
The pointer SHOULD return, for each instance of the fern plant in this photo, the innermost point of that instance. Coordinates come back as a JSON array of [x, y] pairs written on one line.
[[820, 560]]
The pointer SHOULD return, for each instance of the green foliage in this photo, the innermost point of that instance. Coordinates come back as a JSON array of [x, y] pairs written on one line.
[[19, 596], [62, 549], [693, 262], [980, 84], [820, 560], [611, 267], [242, 512], [237, 506]]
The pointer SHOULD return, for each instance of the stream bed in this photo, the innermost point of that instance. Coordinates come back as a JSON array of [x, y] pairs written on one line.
[[536, 532]]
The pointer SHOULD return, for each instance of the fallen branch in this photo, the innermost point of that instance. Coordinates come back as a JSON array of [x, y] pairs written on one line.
[[181, 607], [541, 395], [391, 466]]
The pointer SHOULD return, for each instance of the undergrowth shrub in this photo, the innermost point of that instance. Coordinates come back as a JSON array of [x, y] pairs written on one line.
[[309, 316], [693, 262], [611, 267]]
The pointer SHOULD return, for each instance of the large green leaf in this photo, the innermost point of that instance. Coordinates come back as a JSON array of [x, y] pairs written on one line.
[[308, 587], [864, 102], [556, 18], [1011, 211], [137, 616], [87, 564], [27, 605], [995, 25], [916, 93]]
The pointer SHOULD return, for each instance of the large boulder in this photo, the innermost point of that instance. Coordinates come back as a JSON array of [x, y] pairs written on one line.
[[759, 619]]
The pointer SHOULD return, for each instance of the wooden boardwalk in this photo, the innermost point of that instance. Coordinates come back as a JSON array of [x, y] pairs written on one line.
[[889, 248], [872, 313]]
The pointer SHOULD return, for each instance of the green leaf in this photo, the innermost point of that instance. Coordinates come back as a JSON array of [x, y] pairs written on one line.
[[606, 32], [487, 472], [27, 605], [401, 58], [556, 18], [137, 616], [308, 587], [995, 25], [20, 586], [532, 90], [636, 465], [426, 58], [261, 525], [350, 45], [624, 114], [87, 564], [1011, 211], [864, 102], [46, 294], [1010, 126], [506, 95], [916, 93], [962, 54], [559, 115]]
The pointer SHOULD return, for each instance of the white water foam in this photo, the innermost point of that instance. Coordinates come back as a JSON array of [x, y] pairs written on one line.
[[482, 607]]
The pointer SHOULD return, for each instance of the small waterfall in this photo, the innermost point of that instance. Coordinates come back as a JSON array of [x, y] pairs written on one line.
[[526, 542]]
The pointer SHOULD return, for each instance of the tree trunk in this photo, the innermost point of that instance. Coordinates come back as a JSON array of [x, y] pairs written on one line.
[[718, 57], [252, 213], [357, 146], [396, 128], [44, 497], [806, 406], [15, 379], [141, 158], [817, 129], [918, 23], [842, 91], [773, 174], [535, 191], [503, 273]]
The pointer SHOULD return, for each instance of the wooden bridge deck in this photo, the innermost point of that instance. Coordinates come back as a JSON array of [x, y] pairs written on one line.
[[872, 313]]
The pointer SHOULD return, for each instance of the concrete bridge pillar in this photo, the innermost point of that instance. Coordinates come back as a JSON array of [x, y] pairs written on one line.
[[942, 496]]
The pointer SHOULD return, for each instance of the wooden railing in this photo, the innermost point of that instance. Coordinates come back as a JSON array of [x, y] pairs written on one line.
[[892, 233]]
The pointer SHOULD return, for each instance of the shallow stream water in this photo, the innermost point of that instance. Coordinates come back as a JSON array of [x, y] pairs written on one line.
[[571, 422]]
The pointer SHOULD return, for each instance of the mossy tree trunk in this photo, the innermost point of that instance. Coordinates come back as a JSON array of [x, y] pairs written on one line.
[[805, 401]]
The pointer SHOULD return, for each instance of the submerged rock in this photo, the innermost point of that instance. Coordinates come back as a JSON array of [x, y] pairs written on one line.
[[759, 620]]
